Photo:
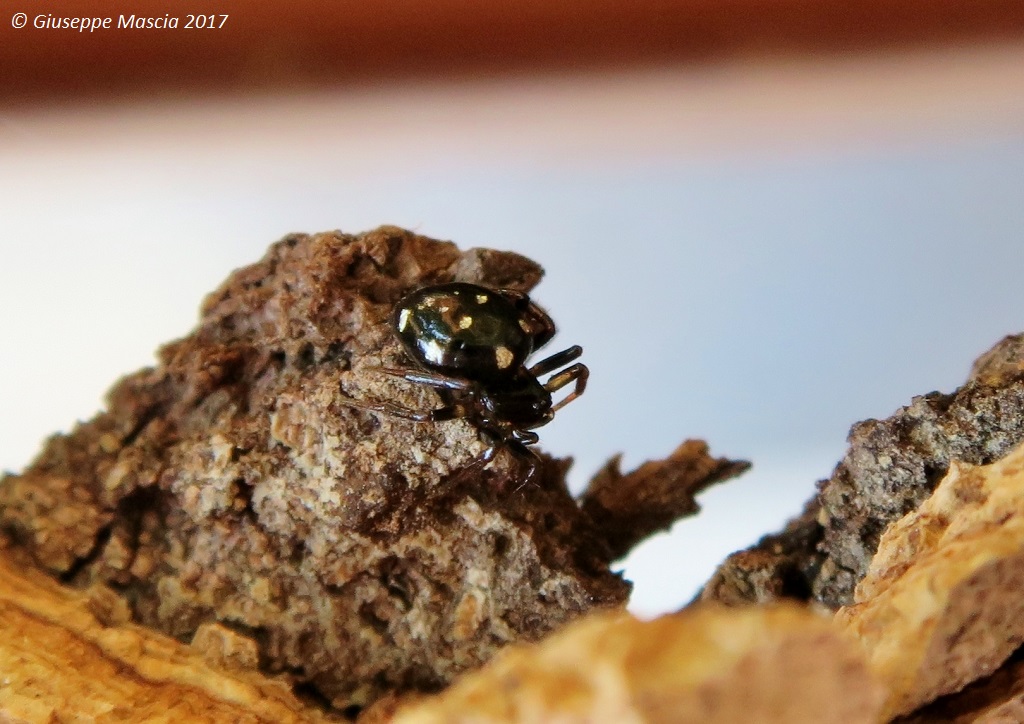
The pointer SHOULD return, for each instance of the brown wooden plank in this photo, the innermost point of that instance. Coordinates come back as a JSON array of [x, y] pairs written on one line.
[[309, 44]]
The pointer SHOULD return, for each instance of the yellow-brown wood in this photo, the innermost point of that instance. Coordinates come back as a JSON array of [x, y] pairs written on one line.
[[67, 654]]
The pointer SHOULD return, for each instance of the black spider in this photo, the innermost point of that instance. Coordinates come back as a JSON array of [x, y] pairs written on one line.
[[470, 344]]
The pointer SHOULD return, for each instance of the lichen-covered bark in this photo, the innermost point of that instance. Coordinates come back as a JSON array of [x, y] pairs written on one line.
[[232, 484], [891, 466]]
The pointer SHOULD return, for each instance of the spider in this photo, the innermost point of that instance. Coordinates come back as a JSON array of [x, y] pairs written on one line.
[[470, 344]]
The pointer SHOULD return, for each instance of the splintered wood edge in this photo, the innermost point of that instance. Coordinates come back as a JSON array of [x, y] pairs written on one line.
[[58, 657], [629, 507]]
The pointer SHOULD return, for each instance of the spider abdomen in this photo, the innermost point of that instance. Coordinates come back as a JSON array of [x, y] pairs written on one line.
[[469, 331]]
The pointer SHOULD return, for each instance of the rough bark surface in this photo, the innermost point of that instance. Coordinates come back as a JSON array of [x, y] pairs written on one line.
[[230, 484], [628, 508], [891, 466], [779, 566]]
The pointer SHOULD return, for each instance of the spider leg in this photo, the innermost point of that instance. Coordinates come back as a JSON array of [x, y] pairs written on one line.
[[527, 460], [423, 377], [578, 373], [478, 463], [448, 412], [527, 456], [526, 437], [559, 359]]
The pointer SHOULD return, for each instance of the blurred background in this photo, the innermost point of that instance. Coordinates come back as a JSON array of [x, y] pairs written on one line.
[[763, 221]]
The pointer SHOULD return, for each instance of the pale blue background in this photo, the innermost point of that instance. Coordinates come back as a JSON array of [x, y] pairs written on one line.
[[763, 302]]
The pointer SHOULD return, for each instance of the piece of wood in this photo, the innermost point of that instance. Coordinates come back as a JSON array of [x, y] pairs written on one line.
[[708, 664], [66, 653], [940, 606], [234, 483], [628, 508]]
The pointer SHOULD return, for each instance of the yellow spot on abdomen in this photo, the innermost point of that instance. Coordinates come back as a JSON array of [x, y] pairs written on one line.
[[433, 352], [503, 356]]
